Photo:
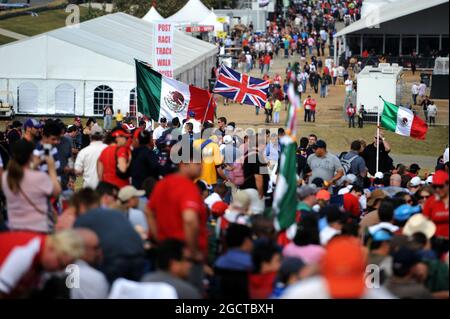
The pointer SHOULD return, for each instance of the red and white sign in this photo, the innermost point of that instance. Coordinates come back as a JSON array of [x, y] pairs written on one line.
[[163, 48], [199, 28]]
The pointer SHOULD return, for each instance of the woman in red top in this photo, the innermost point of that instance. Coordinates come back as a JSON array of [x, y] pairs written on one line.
[[115, 160]]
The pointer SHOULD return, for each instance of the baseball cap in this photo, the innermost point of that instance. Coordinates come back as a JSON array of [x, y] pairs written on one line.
[[375, 195], [129, 192], [414, 168], [96, 130], [306, 190], [381, 235], [415, 182], [323, 194], [128, 127], [32, 123], [320, 144], [404, 212], [419, 224], [403, 260], [429, 180], [318, 181], [343, 267], [120, 132], [218, 208], [227, 139], [379, 175], [440, 178]]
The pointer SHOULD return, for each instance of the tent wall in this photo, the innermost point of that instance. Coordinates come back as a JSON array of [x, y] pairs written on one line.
[[258, 17]]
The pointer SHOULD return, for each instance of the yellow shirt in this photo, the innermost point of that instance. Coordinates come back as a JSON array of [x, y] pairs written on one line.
[[277, 106], [211, 158], [119, 117]]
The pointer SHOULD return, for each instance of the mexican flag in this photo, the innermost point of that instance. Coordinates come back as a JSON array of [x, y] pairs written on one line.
[[403, 121], [159, 96], [285, 197]]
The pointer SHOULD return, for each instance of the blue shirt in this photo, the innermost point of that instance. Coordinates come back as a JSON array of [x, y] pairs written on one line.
[[235, 259]]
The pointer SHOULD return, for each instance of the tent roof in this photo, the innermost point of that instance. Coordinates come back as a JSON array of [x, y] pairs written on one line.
[[152, 15], [390, 12], [194, 11], [122, 37]]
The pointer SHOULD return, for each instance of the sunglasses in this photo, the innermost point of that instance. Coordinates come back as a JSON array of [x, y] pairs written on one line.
[[424, 197]]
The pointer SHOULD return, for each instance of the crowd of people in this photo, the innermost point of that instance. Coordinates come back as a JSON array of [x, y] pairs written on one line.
[[185, 209], [193, 210]]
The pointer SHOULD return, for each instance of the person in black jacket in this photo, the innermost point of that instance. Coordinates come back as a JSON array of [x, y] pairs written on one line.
[[370, 156]]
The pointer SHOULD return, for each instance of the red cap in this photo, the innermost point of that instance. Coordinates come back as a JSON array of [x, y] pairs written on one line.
[[440, 178], [120, 132], [343, 267], [218, 208]]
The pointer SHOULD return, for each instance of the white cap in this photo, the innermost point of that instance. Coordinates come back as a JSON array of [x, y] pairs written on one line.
[[429, 180], [227, 139], [415, 181], [379, 175]]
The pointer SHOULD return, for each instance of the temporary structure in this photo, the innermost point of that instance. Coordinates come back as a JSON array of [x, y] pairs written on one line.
[[193, 12], [78, 70], [152, 15]]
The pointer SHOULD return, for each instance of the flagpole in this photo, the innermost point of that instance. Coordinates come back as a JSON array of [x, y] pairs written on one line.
[[207, 108], [378, 137]]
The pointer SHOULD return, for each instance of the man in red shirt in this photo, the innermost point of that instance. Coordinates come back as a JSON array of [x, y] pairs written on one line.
[[436, 209], [115, 159], [267, 60], [24, 255], [176, 210]]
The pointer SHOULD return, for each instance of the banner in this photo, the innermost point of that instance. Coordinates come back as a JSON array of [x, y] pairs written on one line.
[[163, 48], [199, 28]]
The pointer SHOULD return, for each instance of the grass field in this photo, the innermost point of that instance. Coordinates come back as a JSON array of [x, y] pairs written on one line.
[[4, 40], [46, 21]]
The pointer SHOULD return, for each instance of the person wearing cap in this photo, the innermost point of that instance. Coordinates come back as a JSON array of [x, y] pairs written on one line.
[[324, 165], [436, 209], [342, 271], [404, 284], [306, 195], [128, 202], [379, 242], [197, 126], [15, 134], [31, 130], [158, 132], [86, 160], [115, 159], [414, 185]]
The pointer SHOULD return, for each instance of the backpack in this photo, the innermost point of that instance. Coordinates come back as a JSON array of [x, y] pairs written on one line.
[[347, 163]]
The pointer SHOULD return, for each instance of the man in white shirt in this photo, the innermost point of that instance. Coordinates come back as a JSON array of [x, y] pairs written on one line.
[[248, 60], [422, 90], [432, 112], [414, 92], [86, 162], [158, 132], [348, 87], [191, 119]]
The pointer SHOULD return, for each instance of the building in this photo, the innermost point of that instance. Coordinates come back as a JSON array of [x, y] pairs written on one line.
[[397, 28], [80, 69]]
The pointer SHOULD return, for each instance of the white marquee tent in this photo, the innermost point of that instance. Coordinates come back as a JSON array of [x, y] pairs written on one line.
[[152, 15], [78, 70]]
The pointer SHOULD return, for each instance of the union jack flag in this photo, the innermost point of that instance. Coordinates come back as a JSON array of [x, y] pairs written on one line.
[[241, 88]]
